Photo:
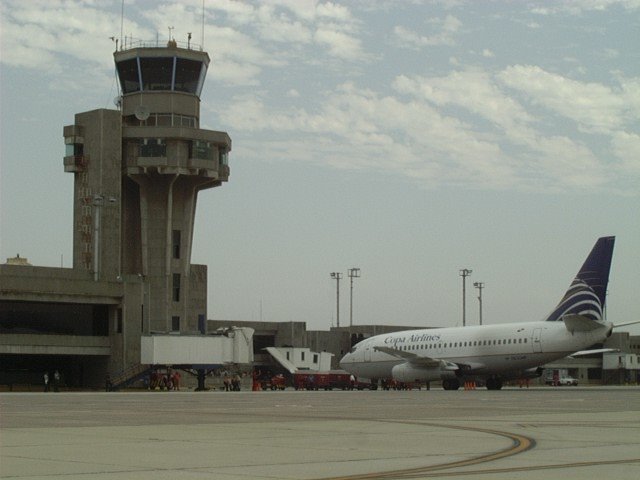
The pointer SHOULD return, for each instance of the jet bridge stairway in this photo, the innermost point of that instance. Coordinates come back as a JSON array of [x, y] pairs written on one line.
[[127, 376], [282, 360]]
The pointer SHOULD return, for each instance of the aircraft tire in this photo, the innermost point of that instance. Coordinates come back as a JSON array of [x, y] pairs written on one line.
[[494, 384], [450, 384]]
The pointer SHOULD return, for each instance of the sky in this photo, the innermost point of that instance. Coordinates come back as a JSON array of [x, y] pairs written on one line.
[[410, 139]]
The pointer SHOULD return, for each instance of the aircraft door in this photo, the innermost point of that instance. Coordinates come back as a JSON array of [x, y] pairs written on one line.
[[536, 340], [367, 353]]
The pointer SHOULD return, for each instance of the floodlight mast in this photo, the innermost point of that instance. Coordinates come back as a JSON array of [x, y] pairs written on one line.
[[337, 276], [464, 273], [353, 273], [479, 286]]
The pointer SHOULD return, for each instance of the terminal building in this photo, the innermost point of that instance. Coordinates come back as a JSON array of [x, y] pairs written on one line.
[[137, 173]]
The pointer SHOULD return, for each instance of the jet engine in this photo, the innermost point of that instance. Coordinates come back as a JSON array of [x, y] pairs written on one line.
[[407, 372], [532, 372]]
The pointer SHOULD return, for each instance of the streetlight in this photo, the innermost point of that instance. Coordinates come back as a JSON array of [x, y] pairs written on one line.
[[353, 273], [141, 277], [479, 286], [464, 273], [98, 203], [337, 276]]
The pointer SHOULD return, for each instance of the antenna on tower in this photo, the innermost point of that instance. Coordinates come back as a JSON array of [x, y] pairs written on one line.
[[121, 23], [202, 41]]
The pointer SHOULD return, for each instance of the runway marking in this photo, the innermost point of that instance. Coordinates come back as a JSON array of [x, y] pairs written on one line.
[[521, 469], [520, 444]]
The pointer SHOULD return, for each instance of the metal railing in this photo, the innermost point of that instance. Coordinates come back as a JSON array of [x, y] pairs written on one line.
[[129, 43]]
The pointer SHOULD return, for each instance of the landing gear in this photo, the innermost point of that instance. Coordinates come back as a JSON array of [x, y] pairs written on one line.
[[494, 383], [451, 384]]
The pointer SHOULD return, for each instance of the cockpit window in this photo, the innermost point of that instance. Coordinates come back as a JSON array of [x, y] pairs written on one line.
[[353, 350]]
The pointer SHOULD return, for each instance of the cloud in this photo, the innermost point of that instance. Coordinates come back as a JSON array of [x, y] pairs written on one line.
[[576, 7], [445, 35], [33, 40], [626, 147], [340, 44], [466, 128], [596, 108]]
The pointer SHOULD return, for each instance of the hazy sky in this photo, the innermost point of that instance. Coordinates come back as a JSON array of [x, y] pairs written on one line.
[[407, 138]]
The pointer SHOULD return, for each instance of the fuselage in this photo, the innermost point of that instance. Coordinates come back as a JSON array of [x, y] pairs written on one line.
[[502, 350]]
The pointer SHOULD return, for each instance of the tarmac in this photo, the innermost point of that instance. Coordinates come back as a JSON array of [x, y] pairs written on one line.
[[537, 433]]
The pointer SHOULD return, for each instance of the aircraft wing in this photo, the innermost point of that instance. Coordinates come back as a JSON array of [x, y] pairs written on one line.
[[427, 362], [410, 357], [589, 352]]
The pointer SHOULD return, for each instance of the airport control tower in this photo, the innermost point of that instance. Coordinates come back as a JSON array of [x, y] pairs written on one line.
[[138, 171]]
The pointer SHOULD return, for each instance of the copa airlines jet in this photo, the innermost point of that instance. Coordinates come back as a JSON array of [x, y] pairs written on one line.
[[495, 353]]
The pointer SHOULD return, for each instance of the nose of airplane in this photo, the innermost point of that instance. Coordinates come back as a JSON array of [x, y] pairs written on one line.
[[345, 361]]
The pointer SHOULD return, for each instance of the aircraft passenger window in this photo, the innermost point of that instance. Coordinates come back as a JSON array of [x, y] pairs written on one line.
[[525, 340]]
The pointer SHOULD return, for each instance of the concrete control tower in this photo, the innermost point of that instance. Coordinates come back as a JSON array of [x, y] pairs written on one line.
[[138, 172]]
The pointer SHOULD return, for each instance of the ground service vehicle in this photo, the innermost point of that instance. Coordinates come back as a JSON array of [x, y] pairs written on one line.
[[334, 379]]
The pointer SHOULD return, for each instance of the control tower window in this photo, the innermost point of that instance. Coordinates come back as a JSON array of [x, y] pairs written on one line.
[[224, 157], [187, 75], [175, 243], [128, 74], [176, 287], [153, 147], [74, 149], [156, 73], [201, 150], [163, 120]]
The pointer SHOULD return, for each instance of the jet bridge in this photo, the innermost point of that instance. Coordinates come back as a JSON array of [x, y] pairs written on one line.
[[202, 353], [229, 346]]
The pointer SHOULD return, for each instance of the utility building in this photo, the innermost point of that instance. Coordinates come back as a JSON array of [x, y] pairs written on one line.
[[137, 174]]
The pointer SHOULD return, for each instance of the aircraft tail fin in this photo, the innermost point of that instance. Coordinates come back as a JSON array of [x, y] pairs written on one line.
[[586, 295]]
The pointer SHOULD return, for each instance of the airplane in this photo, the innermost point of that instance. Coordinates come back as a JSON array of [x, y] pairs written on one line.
[[495, 353]]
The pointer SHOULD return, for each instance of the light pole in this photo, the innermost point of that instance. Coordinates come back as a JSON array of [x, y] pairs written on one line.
[[98, 202], [141, 277], [337, 276], [353, 273], [464, 273], [479, 286]]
